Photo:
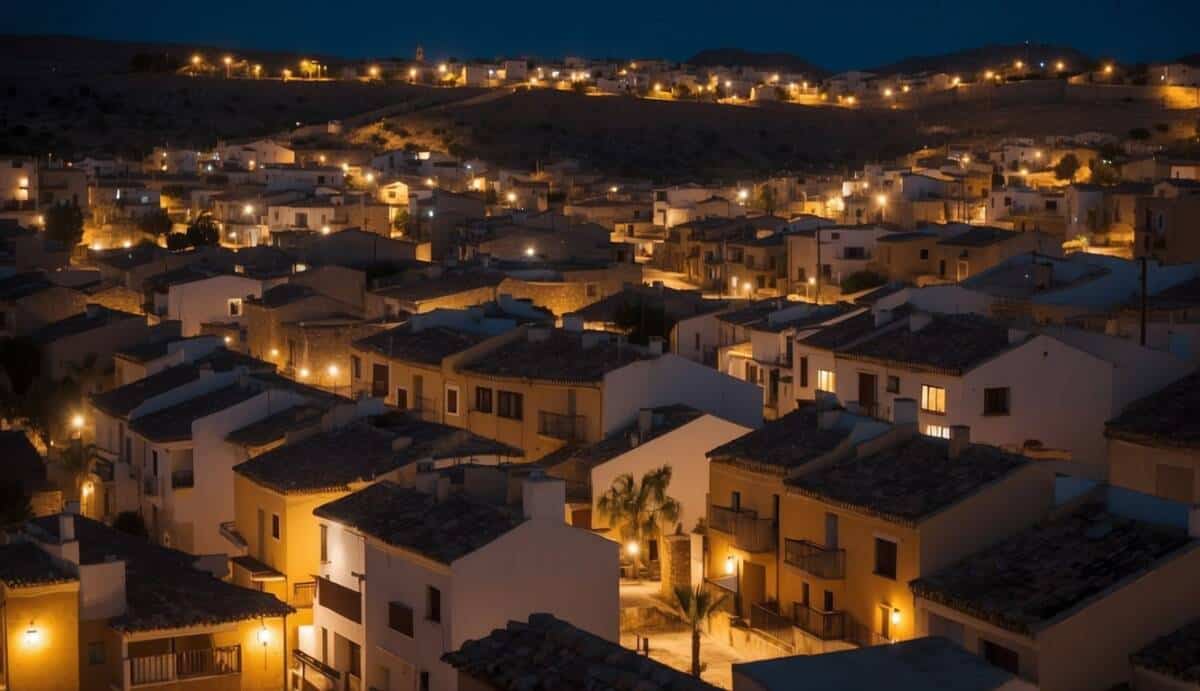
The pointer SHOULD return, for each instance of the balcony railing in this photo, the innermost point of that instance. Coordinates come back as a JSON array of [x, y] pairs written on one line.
[[303, 594], [775, 625], [340, 599], [749, 532], [818, 560], [182, 479], [827, 626], [185, 664], [568, 428]]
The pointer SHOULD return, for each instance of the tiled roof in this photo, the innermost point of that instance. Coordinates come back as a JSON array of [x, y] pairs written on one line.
[[276, 427], [1164, 418], [559, 356], [979, 237], [910, 481], [163, 589], [18, 286], [1176, 654], [548, 654], [790, 441], [175, 423], [847, 331], [667, 419], [446, 284], [949, 342], [1031, 578], [81, 323], [120, 401], [429, 345], [25, 565], [444, 530], [361, 452], [284, 294]]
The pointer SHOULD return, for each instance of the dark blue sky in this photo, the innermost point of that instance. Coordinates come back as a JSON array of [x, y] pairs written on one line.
[[838, 35]]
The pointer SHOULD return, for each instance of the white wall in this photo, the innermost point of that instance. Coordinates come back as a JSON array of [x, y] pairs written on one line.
[[684, 450], [346, 557], [208, 300], [671, 379]]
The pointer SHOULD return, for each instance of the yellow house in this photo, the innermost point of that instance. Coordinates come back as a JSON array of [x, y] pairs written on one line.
[[88, 607]]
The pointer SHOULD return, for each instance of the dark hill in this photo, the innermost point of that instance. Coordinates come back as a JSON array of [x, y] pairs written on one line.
[[986, 57], [718, 57]]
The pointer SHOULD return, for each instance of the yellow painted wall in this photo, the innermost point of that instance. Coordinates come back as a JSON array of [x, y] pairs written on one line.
[[757, 494], [50, 660]]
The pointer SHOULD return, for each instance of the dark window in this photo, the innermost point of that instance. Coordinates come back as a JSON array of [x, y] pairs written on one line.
[[483, 399], [339, 599], [433, 604], [885, 558], [379, 380], [1001, 657], [697, 340], [95, 652], [924, 254], [893, 384], [510, 405], [275, 526], [804, 372], [402, 399], [400, 618], [995, 401], [356, 367], [735, 501], [828, 603], [804, 595], [324, 543], [154, 462], [424, 681], [355, 659], [451, 401]]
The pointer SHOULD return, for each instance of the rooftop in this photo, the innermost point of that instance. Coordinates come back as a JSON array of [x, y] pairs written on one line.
[[175, 423], [548, 654], [120, 401], [429, 345], [558, 356], [163, 589], [949, 342], [443, 530], [448, 283], [667, 419], [18, 286], [790, 441], [920, 664], [1176, 654], [81, 323], [361, 452], [908, 482], [979, 236], [1028, 580], [25, 565], [284, 294], [275, 427], [1165, 418]]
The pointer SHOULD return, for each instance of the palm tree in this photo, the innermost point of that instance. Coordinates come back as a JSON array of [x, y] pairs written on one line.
[[639, 510], [695, 607]]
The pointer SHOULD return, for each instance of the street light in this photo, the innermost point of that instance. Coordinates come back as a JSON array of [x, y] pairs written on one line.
[[77, 422]]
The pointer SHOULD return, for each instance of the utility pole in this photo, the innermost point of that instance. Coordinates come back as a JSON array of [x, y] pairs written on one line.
[[1142, 339]]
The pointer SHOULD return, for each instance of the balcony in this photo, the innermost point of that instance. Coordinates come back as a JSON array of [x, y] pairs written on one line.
[[749, 532], [827, 626], [820, 561], [568, 428], [182, 479], [183, 665], [303, 594], [339, 599]]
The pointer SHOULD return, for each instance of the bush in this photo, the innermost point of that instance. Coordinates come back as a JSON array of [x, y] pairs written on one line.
[[64, 224], [862, 280], [203, 231]]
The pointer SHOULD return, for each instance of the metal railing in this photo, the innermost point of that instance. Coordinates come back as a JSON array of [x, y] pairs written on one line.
[[303, 594], [827, 626], [749, 532], [568, 428], [818, 560], [185, 664], [182, 479], [774, 625]]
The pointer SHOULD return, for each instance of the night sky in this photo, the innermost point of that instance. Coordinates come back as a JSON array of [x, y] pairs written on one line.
[[838, 35]]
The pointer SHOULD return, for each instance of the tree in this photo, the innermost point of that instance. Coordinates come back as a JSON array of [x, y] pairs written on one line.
[[1104, 174], [639, 510], [695, 607], [1066, 167], [203, 231], [14, 503], [131, 523], [64, 224], [155, 223], [766, 200], [177, 242], [21, 360]]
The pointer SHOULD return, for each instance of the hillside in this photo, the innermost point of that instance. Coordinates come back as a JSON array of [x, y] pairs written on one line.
[[985, 57], [784, 62]]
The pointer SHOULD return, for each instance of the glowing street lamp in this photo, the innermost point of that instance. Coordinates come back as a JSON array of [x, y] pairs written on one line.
[[730, 565], [77, 422], [1060, 66], [632, 548], [304, 373], [374, 72], [332, 370]]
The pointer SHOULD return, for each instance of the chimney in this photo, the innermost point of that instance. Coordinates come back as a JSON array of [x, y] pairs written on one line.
[[426, 479], [544, 498], [656, 345], [573, 323], [882, 317], [904, 411], [960, 439], [645, 422], [93, 310], [66, 527]]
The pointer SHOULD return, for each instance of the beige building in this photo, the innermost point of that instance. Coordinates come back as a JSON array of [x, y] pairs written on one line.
[[1152, 448]]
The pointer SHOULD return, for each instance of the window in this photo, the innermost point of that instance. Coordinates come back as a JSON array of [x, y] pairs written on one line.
[[95, 651], [885, 558], [275, 526], [885, 622], [510, 404], [235, 307], [735, 500], [355, 659], [995, 401], [1001, 657], [154, 463], [433, 604], [804, 372], [893, 384], [452, 400], [483, 399], [424, 681], [400, 618], [355, 367], [751, 373], [939, 431], [805, 595], [592, 289], [324, 544], [825, 381], [933, 399], [696, 339], [402, 399], [924, 254]]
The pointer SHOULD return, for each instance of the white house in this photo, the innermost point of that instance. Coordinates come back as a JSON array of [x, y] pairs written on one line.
[[210, 299], [409, 575]]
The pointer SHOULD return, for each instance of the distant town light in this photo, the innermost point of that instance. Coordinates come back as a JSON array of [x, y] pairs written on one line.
[[881, 199], [1059, 66], [511, 197], [325, 230], [743, 194], [895, 617], [196, 59], [228, 340], [274, 352], [127, 244], [530, 251], [1108, 69], [248, 210]]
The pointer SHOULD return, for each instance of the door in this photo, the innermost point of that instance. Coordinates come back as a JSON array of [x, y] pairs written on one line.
[[866, 392], [773, 387], [752, 588], [402, 399], [379, 381], [418, 392], [831, 530]]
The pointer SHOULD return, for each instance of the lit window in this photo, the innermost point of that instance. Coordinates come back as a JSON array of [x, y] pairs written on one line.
[[940, 431], [933, 399], [826, 381], [235, 307]]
